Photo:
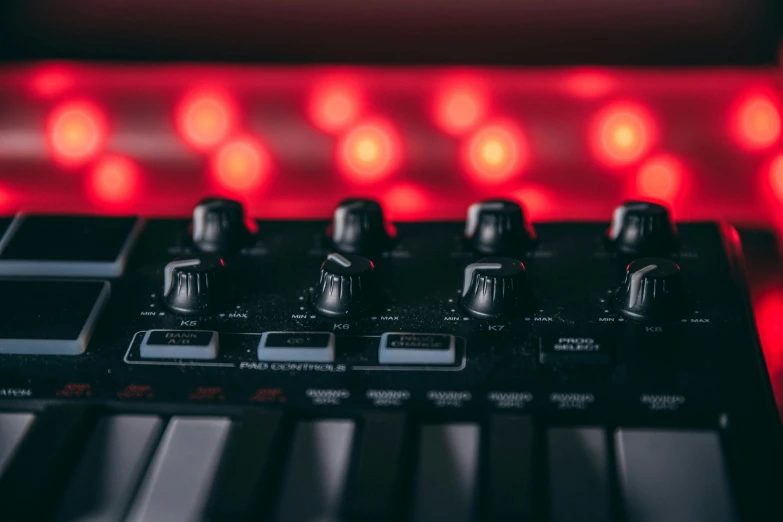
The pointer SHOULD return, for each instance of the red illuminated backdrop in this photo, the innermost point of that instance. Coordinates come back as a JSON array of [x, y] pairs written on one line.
[[427, 142]]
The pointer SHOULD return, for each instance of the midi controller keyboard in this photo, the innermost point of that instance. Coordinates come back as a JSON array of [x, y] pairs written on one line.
[[219, 368]]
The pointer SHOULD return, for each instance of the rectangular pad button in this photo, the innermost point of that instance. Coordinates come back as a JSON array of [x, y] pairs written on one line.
[[50, 317], [13, 426], [296, 347], [67, 246], [676, 476], [179, 344], [416, 348]]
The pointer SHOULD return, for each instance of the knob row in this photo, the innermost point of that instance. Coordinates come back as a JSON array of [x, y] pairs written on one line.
[[494, 227], [492, 288]]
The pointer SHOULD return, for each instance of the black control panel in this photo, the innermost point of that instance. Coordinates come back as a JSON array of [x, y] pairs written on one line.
[[620, 353]]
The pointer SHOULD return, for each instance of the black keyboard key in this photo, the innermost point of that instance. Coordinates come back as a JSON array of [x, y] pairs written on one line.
[[35, 477], [509, 484], [379, 470], [246, 487]]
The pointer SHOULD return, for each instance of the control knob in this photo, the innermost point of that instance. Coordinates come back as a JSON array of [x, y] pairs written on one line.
[[498, 227], [345, 287], [643, 228], [493, 287], [652, 290], [220, 225], [359, 227], [194, 285]]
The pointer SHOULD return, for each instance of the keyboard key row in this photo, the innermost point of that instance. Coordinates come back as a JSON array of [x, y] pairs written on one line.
[[69, 463]]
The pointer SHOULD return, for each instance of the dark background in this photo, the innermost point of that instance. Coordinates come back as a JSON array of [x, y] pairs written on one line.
[[530, 32]]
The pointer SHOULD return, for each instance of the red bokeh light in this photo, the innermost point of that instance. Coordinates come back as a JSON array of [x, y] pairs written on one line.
[[76, 132], [495, 153], [588, 84], [755, 122], [768, 308], [405, 201], [660, 177], [205, 118], [114, 179], [459, 107], [51, 80], [241, 164], [622, 133], [334, 106], [776, 176], [369, 152]]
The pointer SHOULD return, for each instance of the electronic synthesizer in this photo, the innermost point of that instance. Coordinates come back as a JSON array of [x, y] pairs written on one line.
[[220, 368]]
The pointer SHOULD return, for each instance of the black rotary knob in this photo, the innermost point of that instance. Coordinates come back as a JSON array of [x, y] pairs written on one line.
[[219, 225], [493, 287], [359, 227], [194, 285], [345, 287], [652, 290], [643, 228], [498, 227]]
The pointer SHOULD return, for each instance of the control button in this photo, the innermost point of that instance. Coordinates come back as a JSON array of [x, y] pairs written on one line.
[[558, 349], [180, 476], [346, 286], [578, 475], [416, 348], [652, 290], [493, 287], [194, 286], [105, 479], [642, 228], [13, 427], [50, 317], [359, 227], [296, 347], [220, 225], [67, 246], [677, 476], [179, 344], [498, 227]]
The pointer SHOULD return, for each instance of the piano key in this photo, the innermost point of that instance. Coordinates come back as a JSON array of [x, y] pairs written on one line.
[[446, 474], [578, 475], [115, 457], [378, 469], [13, 426], [314, 482], [509, 490], [180, 476], [676, 476], [247, 484], [42, 462]]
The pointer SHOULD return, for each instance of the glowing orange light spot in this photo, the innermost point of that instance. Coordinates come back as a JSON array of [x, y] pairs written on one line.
[[369, 152], [405, 201], [660, 178], [459, 108], [622, 134], [756, 122], [335, 106], [495, 153], [776, 176], [114, 179], [76, 132], [51, 81], [588, 84], [241, 164], [205, 118]]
